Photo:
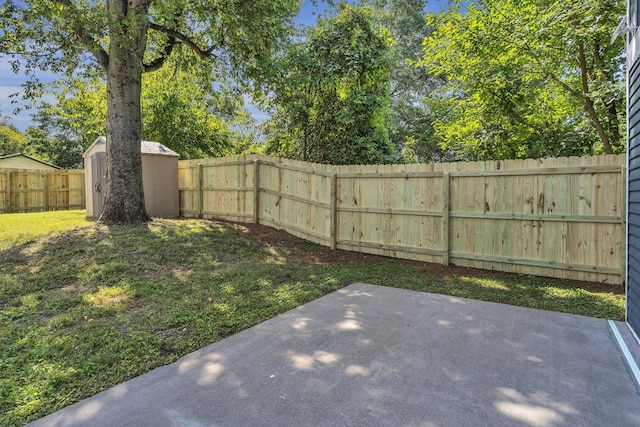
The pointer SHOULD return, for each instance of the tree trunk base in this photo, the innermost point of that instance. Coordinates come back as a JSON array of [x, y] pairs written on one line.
[[117, 215]]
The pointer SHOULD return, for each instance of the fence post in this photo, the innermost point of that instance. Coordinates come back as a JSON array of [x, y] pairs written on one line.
[[45, 191], [445, 218], [9, 188], [200, 193], [83, 192], [7, 193], [256, 191], [334, 211]]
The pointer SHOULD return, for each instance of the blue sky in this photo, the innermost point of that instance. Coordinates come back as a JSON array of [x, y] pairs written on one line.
[[11, 82], [307, 16]]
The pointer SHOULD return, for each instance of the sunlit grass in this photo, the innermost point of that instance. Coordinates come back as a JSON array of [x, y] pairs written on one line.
[[84, 306], [24, 227], [109, 297], [485, 283]]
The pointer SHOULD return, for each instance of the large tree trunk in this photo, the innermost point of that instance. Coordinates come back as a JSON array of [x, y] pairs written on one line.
[[124, 198]]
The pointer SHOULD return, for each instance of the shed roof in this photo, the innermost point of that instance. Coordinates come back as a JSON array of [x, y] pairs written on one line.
[[150, 147], [30, 158], [146, 147]]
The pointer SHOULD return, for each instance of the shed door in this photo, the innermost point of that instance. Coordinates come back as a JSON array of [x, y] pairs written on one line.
[[98, 181]]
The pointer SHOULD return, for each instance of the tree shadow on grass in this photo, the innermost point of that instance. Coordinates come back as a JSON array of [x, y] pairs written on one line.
[[86, 309]]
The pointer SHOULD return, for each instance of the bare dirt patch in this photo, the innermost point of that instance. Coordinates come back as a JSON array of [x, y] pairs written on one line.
[[323, 255]]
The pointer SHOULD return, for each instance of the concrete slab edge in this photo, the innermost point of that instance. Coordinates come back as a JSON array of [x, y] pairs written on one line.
[[625, 351]]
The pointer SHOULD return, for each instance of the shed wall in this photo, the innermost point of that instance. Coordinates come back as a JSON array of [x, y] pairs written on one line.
[[160, 182]]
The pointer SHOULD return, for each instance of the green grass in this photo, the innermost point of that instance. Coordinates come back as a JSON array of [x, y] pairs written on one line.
[[84, 307], [21, 228]]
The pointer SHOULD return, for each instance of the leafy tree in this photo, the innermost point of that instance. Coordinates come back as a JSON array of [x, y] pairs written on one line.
[[56, 148], [66, 128], [411, 117], [528, 78], [177, 111], [12, 141], [187, 115], [129, 37], [333, 100]]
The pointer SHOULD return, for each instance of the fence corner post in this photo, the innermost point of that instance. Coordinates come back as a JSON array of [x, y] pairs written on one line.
[[256, 191], [334, 211], [445, 218]]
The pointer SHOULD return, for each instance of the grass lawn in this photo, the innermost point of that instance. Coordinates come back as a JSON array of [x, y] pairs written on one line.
[[84, 307]]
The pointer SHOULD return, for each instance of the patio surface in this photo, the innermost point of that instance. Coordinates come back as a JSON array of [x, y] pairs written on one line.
[[375, 356]]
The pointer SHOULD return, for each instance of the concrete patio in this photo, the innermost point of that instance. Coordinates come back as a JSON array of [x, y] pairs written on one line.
[[376, 356]]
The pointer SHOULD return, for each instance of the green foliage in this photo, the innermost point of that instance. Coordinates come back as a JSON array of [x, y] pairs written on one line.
[[181, 109], [128, 37], [411, 127], [528, 79], [83, 307], [66, 128], [333, 100], [35, 141], [56, 148], [238, 37], [12, 141]]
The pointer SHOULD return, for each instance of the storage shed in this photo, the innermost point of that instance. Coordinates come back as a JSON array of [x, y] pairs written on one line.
[[159, 178]]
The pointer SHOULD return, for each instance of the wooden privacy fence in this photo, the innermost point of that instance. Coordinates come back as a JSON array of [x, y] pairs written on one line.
[[33, 190], [559, 217]]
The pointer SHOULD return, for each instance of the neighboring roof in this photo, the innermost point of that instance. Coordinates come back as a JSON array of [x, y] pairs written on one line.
[[146, 147], [30, 158]]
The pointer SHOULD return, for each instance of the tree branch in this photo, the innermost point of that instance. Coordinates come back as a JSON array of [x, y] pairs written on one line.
[[89, 42], [202, 54], [583, 96], [160, 60], [610, 104], [588, 103]]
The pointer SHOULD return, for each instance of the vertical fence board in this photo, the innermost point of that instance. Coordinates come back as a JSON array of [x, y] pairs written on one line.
[[5, 187], [256, 191], [200, 205], [445, 218]]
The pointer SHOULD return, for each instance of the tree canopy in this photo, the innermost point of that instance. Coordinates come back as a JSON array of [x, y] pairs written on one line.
[[528, 78], [371, 83], [178, 109], [185, 109], [410, 117], [12, 141], [128, 37], [333, 98]]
